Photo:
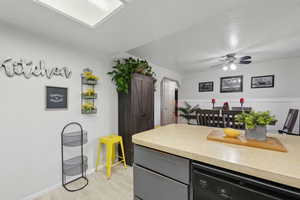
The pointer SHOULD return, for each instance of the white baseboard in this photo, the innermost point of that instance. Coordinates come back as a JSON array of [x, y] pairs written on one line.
[[53, 187], [40, 193]]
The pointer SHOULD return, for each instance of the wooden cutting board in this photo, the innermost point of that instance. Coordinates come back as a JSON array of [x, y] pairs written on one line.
[[271, 143]]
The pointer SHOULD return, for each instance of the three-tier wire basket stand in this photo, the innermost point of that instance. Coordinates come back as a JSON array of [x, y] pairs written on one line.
[[77, 165]]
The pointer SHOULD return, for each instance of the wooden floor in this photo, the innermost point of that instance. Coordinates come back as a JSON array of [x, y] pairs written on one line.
[[119, 187]]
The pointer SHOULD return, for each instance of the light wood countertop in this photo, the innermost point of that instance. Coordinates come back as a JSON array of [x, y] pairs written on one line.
[[190, 142]]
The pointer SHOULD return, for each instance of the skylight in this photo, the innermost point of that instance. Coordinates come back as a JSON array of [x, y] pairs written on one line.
[[89, 12]]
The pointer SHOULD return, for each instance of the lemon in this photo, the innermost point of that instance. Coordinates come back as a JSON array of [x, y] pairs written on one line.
[[229, 132]]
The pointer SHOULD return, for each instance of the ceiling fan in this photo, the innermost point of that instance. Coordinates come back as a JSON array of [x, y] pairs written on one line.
[[229, 61]]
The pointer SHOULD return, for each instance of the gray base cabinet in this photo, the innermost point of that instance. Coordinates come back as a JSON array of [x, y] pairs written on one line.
[[149, 185], [160, 176]]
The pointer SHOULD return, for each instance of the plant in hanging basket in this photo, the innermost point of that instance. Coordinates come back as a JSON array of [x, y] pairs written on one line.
[[89, 93], [124, 69], [88, 108], [89, 78], [256, 123]]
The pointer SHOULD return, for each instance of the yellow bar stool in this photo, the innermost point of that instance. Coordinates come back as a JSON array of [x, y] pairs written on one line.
[[110, 142]]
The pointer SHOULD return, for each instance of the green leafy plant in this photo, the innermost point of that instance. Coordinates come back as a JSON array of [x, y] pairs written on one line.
[[187, 110], [123, 70], [254, 119]]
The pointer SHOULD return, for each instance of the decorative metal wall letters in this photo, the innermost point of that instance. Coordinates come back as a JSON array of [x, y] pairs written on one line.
[[28, 69]]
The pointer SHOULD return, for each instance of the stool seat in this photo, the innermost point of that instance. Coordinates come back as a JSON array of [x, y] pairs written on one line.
[[110, 139], [110, 142]]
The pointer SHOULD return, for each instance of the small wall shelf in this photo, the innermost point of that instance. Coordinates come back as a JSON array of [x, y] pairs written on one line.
[[89, 82], [94, 111], [77, 165], [88, 100], [89, 97]]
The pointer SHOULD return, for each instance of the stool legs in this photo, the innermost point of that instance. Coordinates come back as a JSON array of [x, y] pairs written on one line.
[[109, 151], [113, 153], [98, 156], [123, 154], [110, 143]]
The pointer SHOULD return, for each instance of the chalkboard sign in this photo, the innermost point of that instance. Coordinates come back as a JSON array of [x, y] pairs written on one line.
[[56, 98]]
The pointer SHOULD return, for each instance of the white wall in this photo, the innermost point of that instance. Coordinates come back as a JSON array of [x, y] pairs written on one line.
[[30, 135], [278, 100], [161, 72]]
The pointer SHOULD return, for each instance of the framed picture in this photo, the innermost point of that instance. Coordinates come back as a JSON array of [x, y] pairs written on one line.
[[231, 84], [56, 98], [262, 81], [206, 86]]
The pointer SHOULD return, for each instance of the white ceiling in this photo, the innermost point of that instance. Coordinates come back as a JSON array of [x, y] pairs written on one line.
[[263, 29], [178, 34], [140, 22]]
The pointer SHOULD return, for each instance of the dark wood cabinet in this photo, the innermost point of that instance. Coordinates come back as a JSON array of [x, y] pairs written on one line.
[[136, 111]]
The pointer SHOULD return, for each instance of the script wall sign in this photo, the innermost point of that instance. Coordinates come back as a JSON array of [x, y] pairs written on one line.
[[29, 69]]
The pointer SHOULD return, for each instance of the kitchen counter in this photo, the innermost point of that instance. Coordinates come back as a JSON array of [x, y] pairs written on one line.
[[190, 142]]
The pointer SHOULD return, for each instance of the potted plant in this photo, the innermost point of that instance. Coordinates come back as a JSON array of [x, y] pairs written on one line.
[[256, 124], [187, 111], [125, 68]]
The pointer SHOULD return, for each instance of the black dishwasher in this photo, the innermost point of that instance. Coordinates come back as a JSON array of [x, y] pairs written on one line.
[[213, 183]]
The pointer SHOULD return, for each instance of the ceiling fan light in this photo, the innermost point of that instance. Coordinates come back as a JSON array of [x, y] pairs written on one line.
[[225, 68], [233, 66]]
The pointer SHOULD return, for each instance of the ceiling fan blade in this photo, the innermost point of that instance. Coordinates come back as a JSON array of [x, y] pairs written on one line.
[[216, 66], [245, 58], [230, 55], [245, 62]]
